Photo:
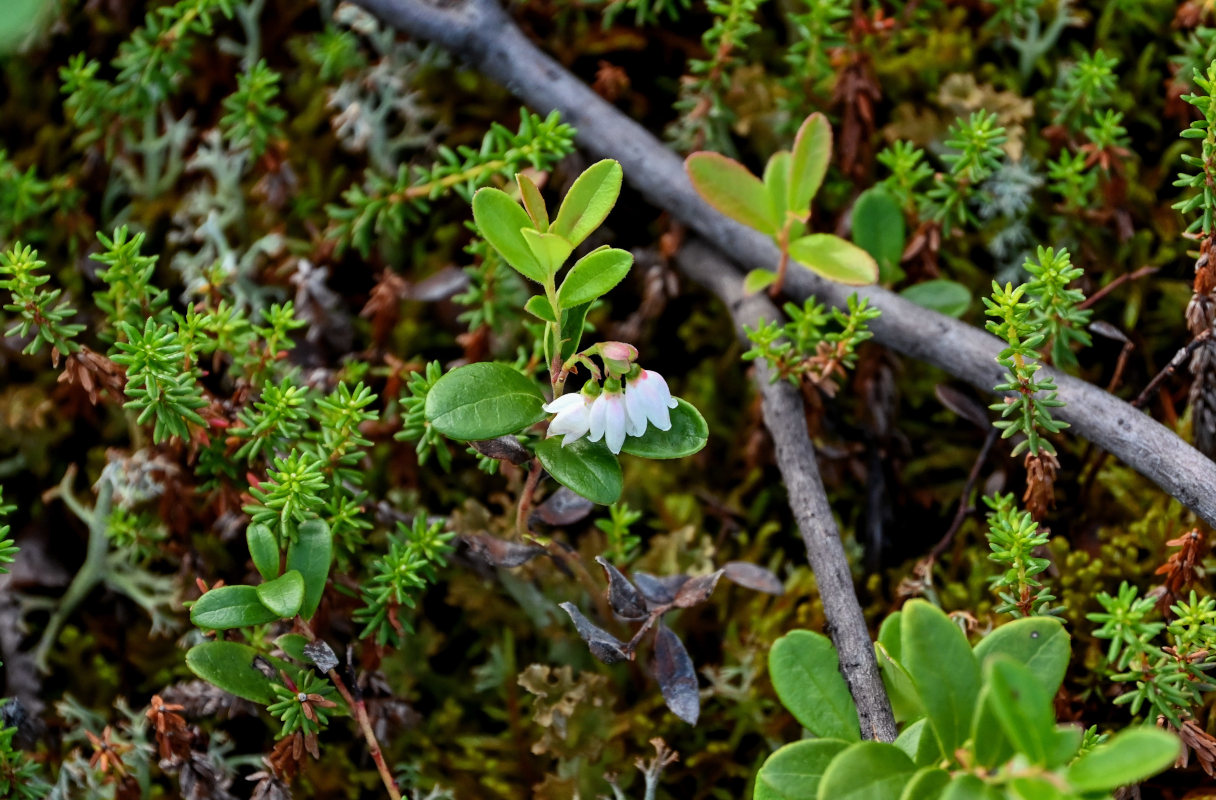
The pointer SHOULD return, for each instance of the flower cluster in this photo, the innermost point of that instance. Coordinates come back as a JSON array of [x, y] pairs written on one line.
[[629, 398]]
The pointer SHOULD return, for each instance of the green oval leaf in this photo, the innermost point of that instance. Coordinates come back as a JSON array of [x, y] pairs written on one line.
[[879, 229], [969, 787], [806, 674], [1023, 707], [946, 674], [539, 307], [502, 221], [866, 771], [573, 321], [1131, 756], [732, 190], [586, 468], [589, 201], [230, 607], [310, 555], [809, 162], [229, 665], [482, 401], [918, 741], [777, 182], [926, 784], [293, 645], [793, 772], [835, 259], [284, 594], [593, 275], [688, 434], [1040, 643], [990, 747], [945, 297], [550, 250], [757, 280], [534, 204], [264, 550]]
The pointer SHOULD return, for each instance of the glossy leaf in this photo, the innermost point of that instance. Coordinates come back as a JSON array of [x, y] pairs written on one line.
[[293, 645], [990, 747], [805, 672], [1023, 707], [230, 666], [777, 182], [969, 787], [534, 204], [593, 276], [688, 434], [230, 607], [483, 400], [926, 784], [905, 701], [758, 280], [866, 771], [793, 772], [880, 230], [588, 468], [1064, 745], [809, 162], [264, 550], [1036, 788], [538, 306], [918, 741], [732, 190], [549, 249], [572, 328], [835, 259], [501, 222], [589, 201], [945, 297], [946, 675], [1040, 643], [310, 555], [1133, 755], [284, 594], [677, 677]]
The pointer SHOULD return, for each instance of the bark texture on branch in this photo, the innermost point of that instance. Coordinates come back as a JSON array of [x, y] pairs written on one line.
[[482, 33], [785, 417]]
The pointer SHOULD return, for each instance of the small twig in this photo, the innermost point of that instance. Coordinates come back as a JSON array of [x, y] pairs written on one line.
[[1169, 369], [964, 504], [359, 709], [1143, 272]]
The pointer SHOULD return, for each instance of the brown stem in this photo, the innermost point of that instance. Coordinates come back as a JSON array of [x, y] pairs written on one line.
[[1143, 272], [525, 499], [359, 709], [964, 505]]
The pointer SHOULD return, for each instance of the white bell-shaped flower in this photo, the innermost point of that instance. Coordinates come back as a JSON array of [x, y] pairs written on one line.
[[572, 416], [647, 399], [608, 419]]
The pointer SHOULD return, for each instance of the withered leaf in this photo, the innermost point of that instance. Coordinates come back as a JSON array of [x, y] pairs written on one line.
[[623, 596], [697, 590], [753, 576], [658, 591], [677, 678], [496, 552], [563, 507], [322, 655], [503, 448], [603, 645], [440, 286], [962, 405]]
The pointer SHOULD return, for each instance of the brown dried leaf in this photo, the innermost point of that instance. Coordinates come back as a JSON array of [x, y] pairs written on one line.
[[697, 590], [563, 507], [503, 448], [496, 552], [753, 576], [658, 591], [623, 596], [603, 645], [674, 671]]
